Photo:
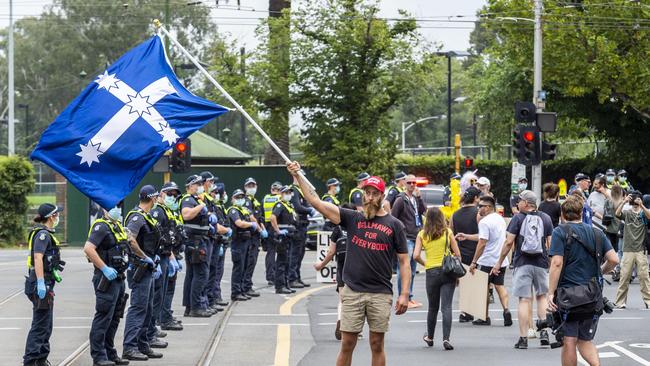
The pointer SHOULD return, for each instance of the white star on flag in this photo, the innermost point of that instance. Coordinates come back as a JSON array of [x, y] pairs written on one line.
[[168, 134], [89, 153], [139, 104], [107, 81]]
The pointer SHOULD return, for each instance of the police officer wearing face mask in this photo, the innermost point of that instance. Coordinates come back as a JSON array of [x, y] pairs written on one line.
[[283, 222], [254, 206], [172, 201], [244, 226], [333, 188], [144, 235], [621, 179], [297, 249], [213, 290], [211, 239], [44, 264], [269, 243], [220, 197], [610, 176], [107, 249], [163, 213], [197, 226]]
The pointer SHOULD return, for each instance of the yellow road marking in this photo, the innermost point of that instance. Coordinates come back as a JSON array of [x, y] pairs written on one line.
[[283, 345]]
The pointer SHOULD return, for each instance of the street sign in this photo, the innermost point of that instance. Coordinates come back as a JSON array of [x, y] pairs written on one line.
[[328, 273]]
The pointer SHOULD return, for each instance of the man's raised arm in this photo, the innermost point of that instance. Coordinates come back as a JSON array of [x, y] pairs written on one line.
[[329, 210]]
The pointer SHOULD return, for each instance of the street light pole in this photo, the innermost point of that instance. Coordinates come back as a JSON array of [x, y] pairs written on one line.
[[407, 125], [11, 144], [537, 86], [448, 103]]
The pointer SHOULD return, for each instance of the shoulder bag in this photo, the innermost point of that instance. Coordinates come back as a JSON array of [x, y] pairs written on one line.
[[451, 265]]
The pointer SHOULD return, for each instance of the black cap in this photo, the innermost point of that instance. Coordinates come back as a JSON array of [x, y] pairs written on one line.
[[170, 186], [285, 189], [610, 171], [276, 185], [622, 172], [47, 209], [523, 179], [147, 192], [472, 192], [193, 179], [400, 176], [250, 180], [238, 192], [206, 176], [581, 176], [221, 188], [362, 176], [598, 175], [332, 182]]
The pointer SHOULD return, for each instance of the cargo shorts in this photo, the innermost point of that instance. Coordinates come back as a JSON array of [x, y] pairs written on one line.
[[356, 307]]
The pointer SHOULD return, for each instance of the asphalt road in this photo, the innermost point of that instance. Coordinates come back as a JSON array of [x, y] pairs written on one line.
[[294, 330]]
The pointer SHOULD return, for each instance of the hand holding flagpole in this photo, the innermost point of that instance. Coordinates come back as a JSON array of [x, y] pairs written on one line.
[[223, 91]]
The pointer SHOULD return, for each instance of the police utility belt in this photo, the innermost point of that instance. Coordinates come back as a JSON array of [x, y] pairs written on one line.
[[195, 232]]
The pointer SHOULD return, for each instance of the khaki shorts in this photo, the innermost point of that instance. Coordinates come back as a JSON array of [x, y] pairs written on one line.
[[357, 306]]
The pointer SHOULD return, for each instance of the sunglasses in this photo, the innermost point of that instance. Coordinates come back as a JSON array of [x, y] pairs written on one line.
[[410, 183], [481, 206]]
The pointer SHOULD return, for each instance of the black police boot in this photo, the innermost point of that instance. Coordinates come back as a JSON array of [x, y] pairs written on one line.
[[104, 363], [152, 354], [171, 326], [522, 343], [252, 293], [187, 312], [120, 362], [239, 297], [290, 290], [283, 290], [295, 284], [135, 355], [160, 334], [158, 343], [304, 284], [199, 314], [221, 302]]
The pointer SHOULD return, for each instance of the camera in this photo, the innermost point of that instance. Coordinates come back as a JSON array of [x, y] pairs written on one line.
[[633, 196], [608, 305]]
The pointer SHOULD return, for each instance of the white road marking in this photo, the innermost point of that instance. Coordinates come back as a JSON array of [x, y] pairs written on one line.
[[608, 355], [265, 315], [10, 297], [9, 328], [75, 355], [270, 324], [628, 353], [195, 324]]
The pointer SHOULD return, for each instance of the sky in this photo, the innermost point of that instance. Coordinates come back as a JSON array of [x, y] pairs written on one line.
[[452, 36]]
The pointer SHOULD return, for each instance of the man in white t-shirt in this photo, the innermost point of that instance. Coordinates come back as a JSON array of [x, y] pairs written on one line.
[[491, 236]]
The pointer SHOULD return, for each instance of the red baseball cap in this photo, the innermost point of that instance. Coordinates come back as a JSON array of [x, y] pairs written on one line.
[[375, 182]]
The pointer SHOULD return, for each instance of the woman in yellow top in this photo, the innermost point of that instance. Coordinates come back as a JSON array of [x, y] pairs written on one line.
[[436, 239]]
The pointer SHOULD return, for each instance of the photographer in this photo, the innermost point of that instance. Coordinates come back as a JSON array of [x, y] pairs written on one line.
[[634, 235], [576, 278]]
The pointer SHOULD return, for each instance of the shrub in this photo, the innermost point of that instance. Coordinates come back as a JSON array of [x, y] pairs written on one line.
[[16, 182]]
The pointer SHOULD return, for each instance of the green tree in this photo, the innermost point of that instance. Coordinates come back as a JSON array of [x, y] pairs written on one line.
[[350, 68]]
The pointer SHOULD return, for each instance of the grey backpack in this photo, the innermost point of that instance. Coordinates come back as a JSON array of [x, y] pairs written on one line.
[[531, 234]]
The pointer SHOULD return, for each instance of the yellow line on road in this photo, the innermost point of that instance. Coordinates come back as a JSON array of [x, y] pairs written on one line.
[[283, 345]]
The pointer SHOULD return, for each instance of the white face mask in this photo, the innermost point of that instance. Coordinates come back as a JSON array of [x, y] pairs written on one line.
[[286, 197], [217, 197], [213, 187], [239, 202], [225, 197], [337, 190], [56, 222], [523, 186], [251, 191], [171, 202], [115, 214], [200, 190]]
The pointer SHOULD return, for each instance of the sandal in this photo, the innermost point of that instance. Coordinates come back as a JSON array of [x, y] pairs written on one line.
[[427, 340], [447, 345]]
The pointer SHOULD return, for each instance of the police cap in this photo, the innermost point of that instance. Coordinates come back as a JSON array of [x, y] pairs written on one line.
[[332, 182], [237, 192], [362, 176], [285, 189], [193, 179], [206, 176], [148, 192]]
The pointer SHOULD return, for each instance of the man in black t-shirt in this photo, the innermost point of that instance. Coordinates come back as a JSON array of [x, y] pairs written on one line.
[[374, 238]]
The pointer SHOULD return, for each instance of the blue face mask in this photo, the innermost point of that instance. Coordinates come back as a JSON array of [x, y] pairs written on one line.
[[115, 214], [239, 202], [171, 202], [337, 190]]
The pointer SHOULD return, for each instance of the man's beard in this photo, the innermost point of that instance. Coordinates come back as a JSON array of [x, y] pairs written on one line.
[[371, 207]]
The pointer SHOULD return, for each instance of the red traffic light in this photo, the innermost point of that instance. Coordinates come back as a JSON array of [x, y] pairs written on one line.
[[181, 147], [469, 162], [529, 136]]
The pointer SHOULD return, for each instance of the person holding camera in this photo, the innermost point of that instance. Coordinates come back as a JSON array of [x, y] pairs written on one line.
[[634, 251], [576, 277]]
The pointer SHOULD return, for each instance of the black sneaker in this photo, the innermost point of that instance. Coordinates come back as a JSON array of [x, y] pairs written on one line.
[[151, 353], [199, 314], [221, 302], [507, 318], [447, 346], [465, 318], [160, 334], [304, 284], [482, 322], [158, 343], [187, 311], [296, 284], [290, 289], [171, 326], [252, 293], [543, 338], [239, 297], [103, 363], [283, 291], [120, 362], [134, 355], [522, 344]]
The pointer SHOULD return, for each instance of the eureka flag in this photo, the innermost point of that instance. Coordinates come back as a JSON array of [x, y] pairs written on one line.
[[108, 138]]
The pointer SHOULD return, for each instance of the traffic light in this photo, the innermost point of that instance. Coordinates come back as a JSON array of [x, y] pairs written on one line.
[[181, 159], [526, 144], [469, 163], [548, 150], [525, 112]]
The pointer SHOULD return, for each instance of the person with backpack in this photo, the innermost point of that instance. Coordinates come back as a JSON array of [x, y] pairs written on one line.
[[530, 231], [577, 250]]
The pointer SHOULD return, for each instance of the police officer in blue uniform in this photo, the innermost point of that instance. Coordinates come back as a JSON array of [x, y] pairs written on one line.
[[211, 238], [107, 248], [221, 199], [162, 212], [284, 224], [395, 189], [333, 189], [197, 226], [144, 235], [167, 320], [244, 225], [44, 264], [297, 249], [356, 194], [220, 238], [268, 203], [253, 206]]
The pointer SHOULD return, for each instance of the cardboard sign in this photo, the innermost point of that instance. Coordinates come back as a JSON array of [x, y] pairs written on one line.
[[328, 273], [474, 293], [518, 172]]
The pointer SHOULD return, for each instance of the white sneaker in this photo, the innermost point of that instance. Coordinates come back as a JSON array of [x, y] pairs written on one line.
[[622, 306], [532, 333]]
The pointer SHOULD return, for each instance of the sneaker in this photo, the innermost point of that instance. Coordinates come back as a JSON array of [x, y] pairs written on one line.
[[120, 362], [465, 318], [447, 346], [252, 293], [482, 322], [543, 338], [160, 333], [622, 306], [531, 333], [295, 284], [221, 302], [283, 291], [171, 326], [507, 318], [152, 354], [522, 343], [158, 343], [304, 284], [427, 340], [134, 355], [199, 314]]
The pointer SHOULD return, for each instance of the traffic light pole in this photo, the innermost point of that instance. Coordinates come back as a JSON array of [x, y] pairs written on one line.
[[537, 87]]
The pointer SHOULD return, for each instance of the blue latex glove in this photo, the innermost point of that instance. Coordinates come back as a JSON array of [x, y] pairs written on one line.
[[228, 234], [312, 212], [156, 259], [212, 219], [221, 251], [213, 230], [40, 288], [265, 234], [157, 273], [254, 226], [109, 272], [179, 266], [148, 260], [171, 269], [284, 232], [204, 210]]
